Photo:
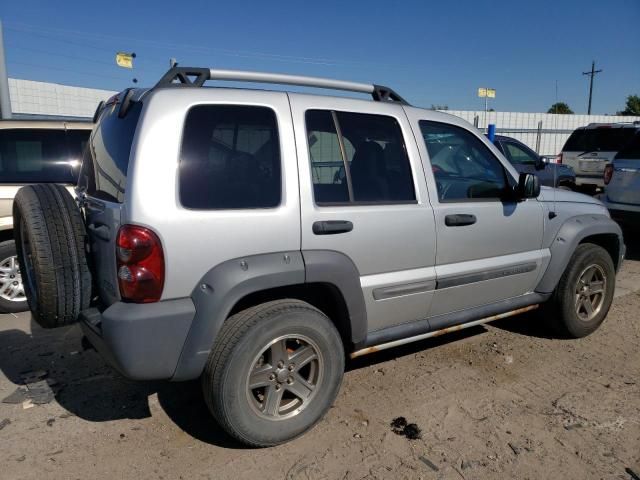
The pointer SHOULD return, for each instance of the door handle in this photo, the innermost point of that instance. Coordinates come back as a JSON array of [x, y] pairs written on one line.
[[459, 220], [332, 227]]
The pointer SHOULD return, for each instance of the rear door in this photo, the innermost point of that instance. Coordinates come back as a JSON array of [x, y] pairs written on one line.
[[489, 248], [359, 167], [101, 185]]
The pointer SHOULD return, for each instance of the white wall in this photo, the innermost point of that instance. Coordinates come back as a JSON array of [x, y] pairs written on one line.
[[523, 126], [41, 98]]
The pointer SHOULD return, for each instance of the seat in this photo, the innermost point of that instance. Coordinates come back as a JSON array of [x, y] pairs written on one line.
[[368, 173]]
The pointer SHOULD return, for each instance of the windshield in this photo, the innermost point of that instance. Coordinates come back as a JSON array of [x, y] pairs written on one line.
[[30, 155]]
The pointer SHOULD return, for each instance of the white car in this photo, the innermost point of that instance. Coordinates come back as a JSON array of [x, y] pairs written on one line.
[[589, 149], [622, 180]]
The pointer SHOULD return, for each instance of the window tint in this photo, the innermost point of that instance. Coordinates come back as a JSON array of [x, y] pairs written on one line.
[[518, 155], [106, 160], [35, 155], [632, 150], [375, 166], [462, 165], [230, 158], [600, 139]]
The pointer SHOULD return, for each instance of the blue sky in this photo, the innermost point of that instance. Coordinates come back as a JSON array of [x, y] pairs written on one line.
[[430, 52]]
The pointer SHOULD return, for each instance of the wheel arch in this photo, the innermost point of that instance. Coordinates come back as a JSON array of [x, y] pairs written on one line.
[[597, 229], [327, 280]]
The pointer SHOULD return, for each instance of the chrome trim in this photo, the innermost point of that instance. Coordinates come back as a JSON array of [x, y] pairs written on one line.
[[383, 293], [467, 278]]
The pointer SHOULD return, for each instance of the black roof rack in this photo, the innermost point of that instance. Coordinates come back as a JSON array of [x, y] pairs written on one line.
[[195, 77]]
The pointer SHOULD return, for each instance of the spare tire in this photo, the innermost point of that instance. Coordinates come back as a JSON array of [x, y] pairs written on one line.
[[51, 245]]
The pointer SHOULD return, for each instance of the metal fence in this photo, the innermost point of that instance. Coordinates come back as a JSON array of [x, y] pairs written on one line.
[[546, 133]]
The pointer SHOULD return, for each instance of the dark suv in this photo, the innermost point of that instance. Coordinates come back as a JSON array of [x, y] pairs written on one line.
[[526, 160]]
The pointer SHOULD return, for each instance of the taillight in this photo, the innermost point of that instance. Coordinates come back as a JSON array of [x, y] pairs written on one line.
[[608, 174], [559, 158], [140, 264]]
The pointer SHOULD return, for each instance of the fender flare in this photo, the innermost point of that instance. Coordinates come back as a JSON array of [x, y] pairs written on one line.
[[224, 285], [569, 236]]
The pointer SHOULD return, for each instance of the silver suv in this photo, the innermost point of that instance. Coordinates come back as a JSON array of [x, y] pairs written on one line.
[[255, 239]]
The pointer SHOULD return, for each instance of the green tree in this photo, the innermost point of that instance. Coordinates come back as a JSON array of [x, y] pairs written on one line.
[[560, 107], [632, 107]]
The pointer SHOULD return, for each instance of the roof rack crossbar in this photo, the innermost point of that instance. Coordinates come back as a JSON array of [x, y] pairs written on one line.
[[182, 77]]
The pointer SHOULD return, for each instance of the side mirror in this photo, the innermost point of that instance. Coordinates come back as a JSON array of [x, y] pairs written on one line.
[[540, 164], [528, 186]]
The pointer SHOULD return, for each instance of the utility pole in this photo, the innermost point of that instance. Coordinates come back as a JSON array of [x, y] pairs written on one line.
[[592, 74], [5, 101]]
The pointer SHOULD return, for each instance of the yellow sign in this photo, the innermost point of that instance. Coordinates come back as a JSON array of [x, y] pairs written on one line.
[[487, 92], [125, 60]]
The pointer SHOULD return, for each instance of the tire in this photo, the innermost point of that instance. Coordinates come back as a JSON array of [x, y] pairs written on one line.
[[567, 310], [51, 245], [246, 414], [12, 298]]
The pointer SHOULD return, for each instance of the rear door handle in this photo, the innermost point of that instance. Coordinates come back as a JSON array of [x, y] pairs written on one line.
[[332, 227], [459, 220]]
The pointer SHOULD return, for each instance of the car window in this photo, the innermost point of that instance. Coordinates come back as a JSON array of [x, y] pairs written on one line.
[[518, 155], [463, 167], [34, 155], [374, 166], [106, 159], [632, 150], [230, 158], [599, 139]]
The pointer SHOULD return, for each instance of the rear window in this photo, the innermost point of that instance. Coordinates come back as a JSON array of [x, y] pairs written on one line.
[[106, 160], [632, 150], [39, 155], [601, 139], [230, 158]]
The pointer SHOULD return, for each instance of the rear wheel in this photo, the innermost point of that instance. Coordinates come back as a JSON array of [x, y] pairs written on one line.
[[584, 294], [12, 297], [274, 372], [50, 243]]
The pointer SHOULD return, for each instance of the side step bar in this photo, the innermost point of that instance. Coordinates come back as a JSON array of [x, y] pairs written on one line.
[[436, 333]]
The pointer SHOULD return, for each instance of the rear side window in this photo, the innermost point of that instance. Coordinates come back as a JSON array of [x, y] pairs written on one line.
[[632, 150], [600, 139], [358, 158], [230, 158], [106, 160], [36, 155]]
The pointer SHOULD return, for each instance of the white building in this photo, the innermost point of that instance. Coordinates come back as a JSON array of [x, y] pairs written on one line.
[[543, 132]]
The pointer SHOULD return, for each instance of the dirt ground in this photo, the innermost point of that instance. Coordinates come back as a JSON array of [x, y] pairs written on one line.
[[501, 401]]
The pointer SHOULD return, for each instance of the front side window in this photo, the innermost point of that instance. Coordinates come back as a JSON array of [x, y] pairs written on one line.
[[358, 158], [518, 155], [230, 158], [463, 167], [33, 156]]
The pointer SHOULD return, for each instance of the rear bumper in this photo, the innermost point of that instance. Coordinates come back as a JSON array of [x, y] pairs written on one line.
[[596, 179], [142, 341]]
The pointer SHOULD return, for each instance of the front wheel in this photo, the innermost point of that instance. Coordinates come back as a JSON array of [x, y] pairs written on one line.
[[584, 294], [273, 372]]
